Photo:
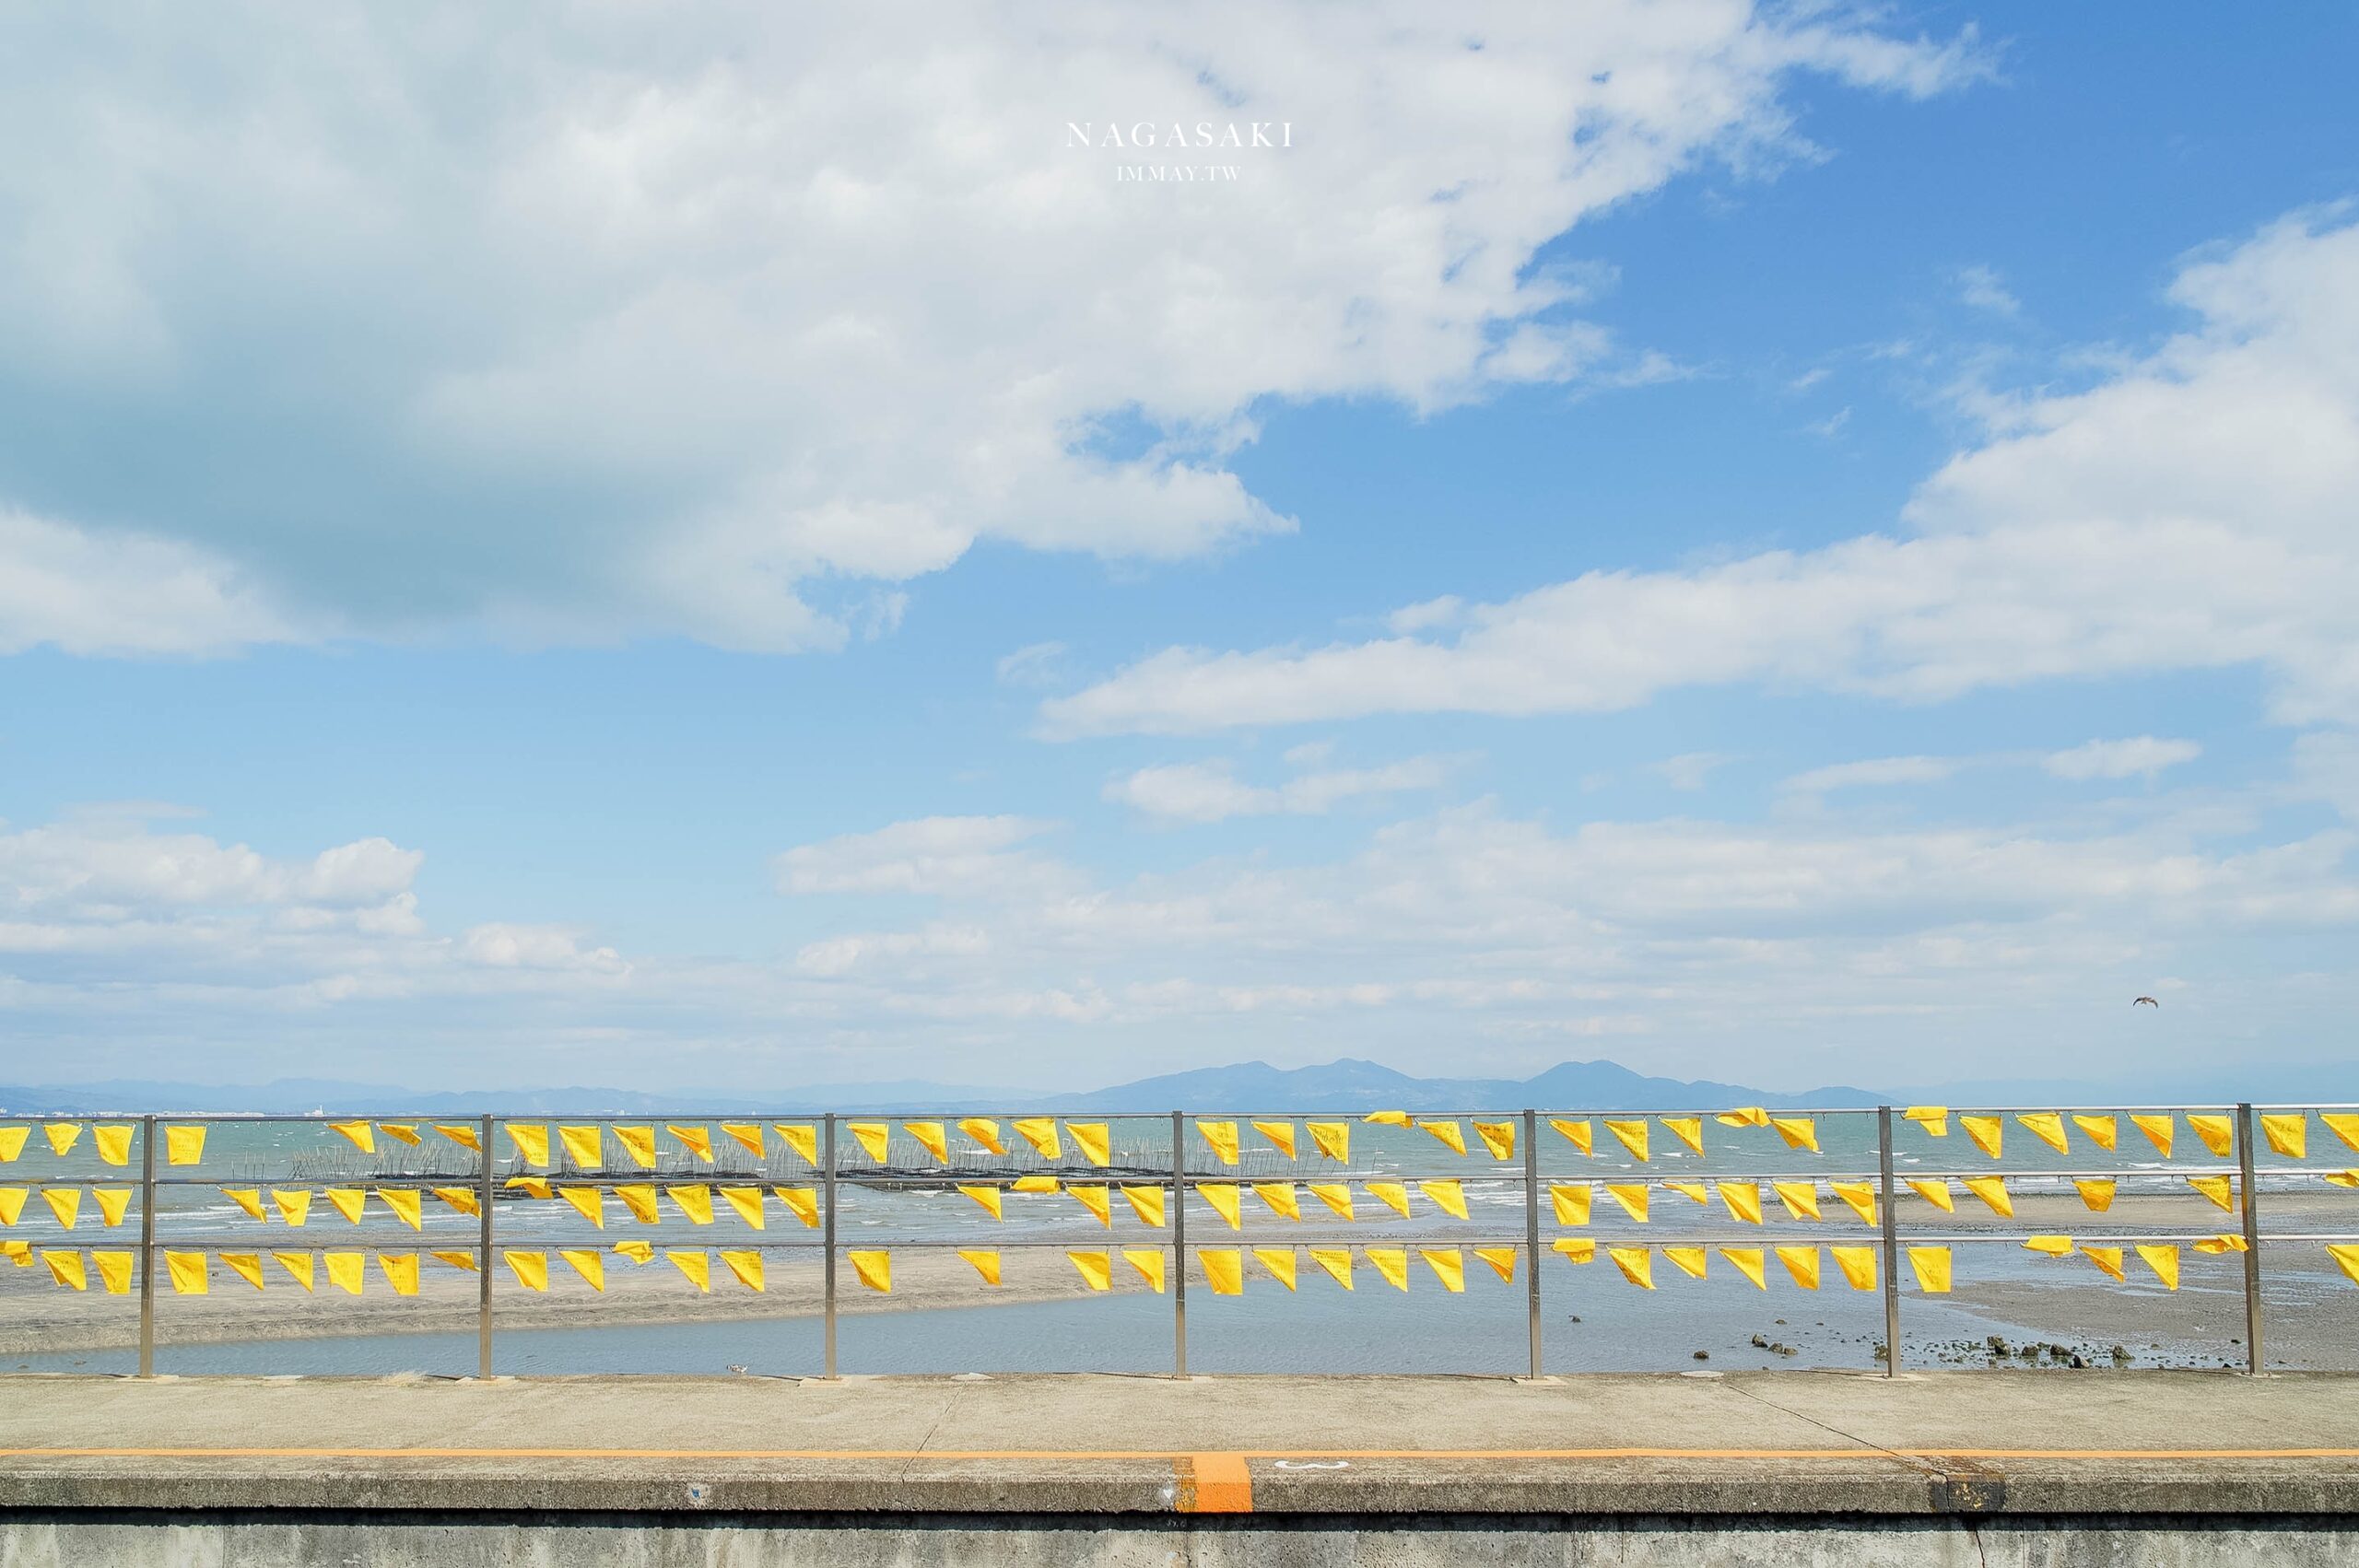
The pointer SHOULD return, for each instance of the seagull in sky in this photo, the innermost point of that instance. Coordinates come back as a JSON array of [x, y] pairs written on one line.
[[2145, 1001]]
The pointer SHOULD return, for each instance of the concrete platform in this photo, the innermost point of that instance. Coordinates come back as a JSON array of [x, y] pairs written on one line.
[[1708, 1469]]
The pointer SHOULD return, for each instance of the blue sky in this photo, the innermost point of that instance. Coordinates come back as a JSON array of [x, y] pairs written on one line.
[[1793, 545]]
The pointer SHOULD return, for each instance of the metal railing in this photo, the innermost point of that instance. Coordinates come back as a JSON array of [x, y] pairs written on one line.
[[1179, 1177]]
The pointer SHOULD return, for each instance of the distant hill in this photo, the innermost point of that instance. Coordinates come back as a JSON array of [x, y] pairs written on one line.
[[1342, 1086]]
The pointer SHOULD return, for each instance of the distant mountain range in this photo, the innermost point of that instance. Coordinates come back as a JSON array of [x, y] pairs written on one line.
[[1342, 1086]]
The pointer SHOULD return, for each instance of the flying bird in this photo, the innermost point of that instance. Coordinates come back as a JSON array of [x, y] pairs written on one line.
[[2145, 1001]]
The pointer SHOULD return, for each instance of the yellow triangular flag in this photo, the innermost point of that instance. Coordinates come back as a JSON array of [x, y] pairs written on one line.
[[1224, 1198], [1094, 1197], [639, 1143], [460, 1199], [2342, 1124], [1498, 1138], [1146, 1202], [585, 1146], [982, 1130], [2158, 1130], [1636, 1263], [1280, 1197], [1224, 1269], [115, 1270], [531, 1187], [985, 1198], [1336, 1261], [875, 1138], [1633, 1137], [1935, 1191], [2346, 1257], [1802, 1262], [1387, 1118], [695, 1264], [248, 1198], [459, 1133], [1742, 1116], [2163, 1261], [12, 1141], [2097, 1192], [400, 1131], [462, 1259], [1281, 1135], [1392, 1263], [1447, 1196], [2339, 1178], [2048, 1127], [1798, 1131], [1571, 1201], [2106, 1257], [1859, 1196], [1035, 1184], [530, 1141], [294, 1204], [1499, 1259], [300, 1266], [1148, 1261], [1336, 1195], [1694, 1191], [400, 1269], [1689, 1261], [182, 1146], [803, 1139], [2215, 1245], [588, 1201], [748, 1135], [697, 1141], [1333, 1139], [1220, 1137], [1279, 1261], [2288, 1132], [695, 1201], [2218, 1132], [1448, 1267], [640, 1199], [1801, 1197], [1575, 1133], [188, 1274], [2217, 1189], [747, 1202], [406, 1203], [1931, 1267], [1096, 1143], [2097, 1129], [746, 1266], [114, 1204], [62, 1136], [531, 1269], [348, 1272], [802, 1202], [1744, 1201], [874, 1266], [1688, 1130], [2048, 1245], [1393, 1195], [1749, 1262], [1632, 1196], [65, 1268], [1041, 1133], [363, 1136], [1575, 1250], [65, 1202], [1989, 1133], [1097, 1269], [12, 1203], [348, 1202], [1992, 1190], [1859, 1266], [985, 1261], [1934, 1119]]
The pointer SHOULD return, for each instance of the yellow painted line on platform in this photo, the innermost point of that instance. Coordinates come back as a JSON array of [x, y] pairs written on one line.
[[1213, 1483], [1172, 1455]]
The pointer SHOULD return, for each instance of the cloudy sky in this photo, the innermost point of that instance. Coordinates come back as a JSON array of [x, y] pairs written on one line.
[[588, 545]]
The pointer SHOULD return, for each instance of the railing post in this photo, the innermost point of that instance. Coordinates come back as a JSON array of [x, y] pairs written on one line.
[[1532, 1231], [1890, 1215], [482, 1253], [2252, 1205], [1178, 1246], [148, 1246], [829, 1152]]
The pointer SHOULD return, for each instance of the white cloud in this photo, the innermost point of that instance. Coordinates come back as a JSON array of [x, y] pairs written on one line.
[[1035, 665], [1210, 792], [2192, 512], [722, 324], [933, 855], [1691, 770], [1876, 771], [2140, 757], [1979, 287]]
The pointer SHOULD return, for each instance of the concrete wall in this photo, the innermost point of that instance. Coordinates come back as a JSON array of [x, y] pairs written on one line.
[[118, 1539]]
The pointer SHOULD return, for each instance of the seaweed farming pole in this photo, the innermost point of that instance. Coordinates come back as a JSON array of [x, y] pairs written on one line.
[[2251, 1217]]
